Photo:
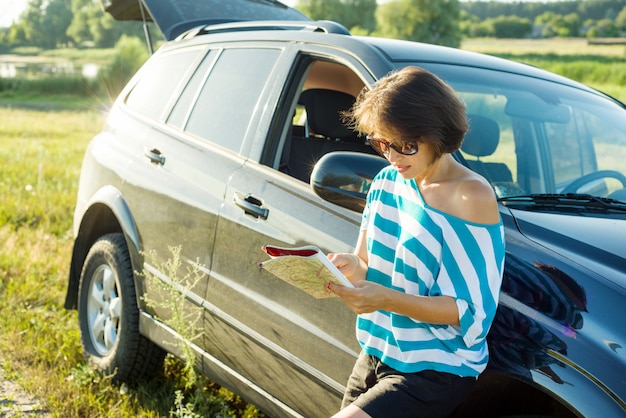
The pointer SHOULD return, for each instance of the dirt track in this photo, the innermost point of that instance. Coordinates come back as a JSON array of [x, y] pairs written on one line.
[[15, 402]]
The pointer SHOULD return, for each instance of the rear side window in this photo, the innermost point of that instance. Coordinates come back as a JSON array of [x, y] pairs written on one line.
[[160, 80], [230, 95]]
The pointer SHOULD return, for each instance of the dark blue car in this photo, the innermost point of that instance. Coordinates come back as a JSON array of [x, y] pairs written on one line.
[[230, 138]]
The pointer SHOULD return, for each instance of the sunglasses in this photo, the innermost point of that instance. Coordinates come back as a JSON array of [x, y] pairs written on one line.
[[399, 146]]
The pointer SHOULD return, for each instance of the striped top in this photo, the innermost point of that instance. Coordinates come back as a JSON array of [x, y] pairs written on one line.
[[419, 250]]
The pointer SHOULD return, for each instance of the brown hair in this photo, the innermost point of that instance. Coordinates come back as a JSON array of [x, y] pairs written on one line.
[[414, 104]]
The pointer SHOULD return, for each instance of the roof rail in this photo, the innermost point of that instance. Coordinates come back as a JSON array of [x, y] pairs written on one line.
[[325, 26]]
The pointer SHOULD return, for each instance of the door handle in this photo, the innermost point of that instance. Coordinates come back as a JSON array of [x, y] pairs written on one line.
[[251, 205], [154, 155]]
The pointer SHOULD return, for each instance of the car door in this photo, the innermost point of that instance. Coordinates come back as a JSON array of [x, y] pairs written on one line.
[[166, 187], [297, 348], [177, 181]]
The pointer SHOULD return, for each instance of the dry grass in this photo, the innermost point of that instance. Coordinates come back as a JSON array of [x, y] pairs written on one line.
[[558, 46]]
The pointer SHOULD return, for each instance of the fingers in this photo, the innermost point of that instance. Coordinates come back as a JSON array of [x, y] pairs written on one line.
[[350, 296], [345, 262]]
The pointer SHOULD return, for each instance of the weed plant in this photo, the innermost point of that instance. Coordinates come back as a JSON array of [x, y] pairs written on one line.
[[168, 281]]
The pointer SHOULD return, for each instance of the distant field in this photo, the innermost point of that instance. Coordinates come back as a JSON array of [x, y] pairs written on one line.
[[600, 66], [560, 46]]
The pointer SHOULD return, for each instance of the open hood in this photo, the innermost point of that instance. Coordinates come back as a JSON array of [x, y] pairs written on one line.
[[174, 17]]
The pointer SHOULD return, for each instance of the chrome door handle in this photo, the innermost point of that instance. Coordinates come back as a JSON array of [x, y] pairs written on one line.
[[251, 205], [155, 156]]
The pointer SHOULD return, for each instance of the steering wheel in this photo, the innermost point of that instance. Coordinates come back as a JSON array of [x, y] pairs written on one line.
[[588, 178]]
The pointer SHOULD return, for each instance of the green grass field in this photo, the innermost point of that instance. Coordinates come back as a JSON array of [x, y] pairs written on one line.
[[41, 152], [42, 140]]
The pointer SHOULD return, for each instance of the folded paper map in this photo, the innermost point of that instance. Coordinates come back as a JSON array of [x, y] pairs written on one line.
[[307, 268]]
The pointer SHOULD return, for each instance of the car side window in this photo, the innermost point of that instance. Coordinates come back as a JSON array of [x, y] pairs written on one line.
[[181, 109], [317, 126], [229, 98], [569, 158], [152, 93], [489, 145]]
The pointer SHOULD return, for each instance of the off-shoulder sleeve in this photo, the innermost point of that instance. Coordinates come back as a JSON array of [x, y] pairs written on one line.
[[471, 272]]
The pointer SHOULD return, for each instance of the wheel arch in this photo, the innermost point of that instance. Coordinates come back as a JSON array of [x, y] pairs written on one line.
[[107, 212], [501, 394]]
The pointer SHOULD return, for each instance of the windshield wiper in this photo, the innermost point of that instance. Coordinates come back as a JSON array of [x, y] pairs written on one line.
[[569, 201]]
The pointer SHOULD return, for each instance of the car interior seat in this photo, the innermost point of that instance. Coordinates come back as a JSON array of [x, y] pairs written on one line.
[[325, 131], [323, 110], [481, 141]]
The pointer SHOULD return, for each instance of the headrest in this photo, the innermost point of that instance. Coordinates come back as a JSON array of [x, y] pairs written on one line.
[[323, 110], [483, 136]]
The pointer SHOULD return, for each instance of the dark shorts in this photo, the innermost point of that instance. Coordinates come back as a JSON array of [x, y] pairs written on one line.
[[382, 391]]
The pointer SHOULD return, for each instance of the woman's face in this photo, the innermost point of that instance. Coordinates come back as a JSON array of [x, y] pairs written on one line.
[[401, 153]]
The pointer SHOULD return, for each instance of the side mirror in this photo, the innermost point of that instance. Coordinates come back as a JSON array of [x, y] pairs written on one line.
[[344, 178]]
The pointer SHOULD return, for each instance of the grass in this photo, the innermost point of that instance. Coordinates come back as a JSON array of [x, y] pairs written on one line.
[[41, 152]]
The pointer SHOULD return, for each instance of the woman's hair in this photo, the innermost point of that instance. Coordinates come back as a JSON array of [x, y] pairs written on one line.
[[414, 104]]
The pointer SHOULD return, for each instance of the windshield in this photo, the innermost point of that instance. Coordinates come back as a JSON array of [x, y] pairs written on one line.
[[530, 136]]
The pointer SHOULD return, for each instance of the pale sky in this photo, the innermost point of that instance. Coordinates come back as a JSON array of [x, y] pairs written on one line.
[[10, 10]]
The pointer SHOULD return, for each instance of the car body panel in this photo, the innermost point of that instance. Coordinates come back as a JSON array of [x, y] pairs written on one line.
[[586, 243], [280, 313], [552, 314]]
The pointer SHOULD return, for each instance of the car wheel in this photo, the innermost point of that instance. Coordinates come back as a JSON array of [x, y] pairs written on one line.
[[108, 314]]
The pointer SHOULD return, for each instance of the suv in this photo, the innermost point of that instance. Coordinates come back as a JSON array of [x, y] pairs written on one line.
[[230, 138]]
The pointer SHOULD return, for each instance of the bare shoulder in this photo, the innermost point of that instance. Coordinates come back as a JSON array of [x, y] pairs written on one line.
[[474, 200], [468, 196]]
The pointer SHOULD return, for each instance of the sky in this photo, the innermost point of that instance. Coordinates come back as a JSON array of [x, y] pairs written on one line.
[[10, 10]]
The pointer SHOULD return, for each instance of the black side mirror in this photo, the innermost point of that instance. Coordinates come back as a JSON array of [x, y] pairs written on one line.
[[345, 177]]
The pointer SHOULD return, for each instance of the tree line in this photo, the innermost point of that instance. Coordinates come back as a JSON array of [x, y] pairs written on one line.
[[51, 24]]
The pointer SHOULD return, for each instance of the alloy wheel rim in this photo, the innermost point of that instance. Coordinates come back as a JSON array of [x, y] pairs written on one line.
[[104, 309]]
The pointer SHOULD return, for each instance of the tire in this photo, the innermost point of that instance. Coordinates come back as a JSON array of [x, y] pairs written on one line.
[[109, 317]]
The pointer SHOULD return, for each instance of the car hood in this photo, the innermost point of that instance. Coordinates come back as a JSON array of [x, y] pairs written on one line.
[[174, 17], [596, 243]]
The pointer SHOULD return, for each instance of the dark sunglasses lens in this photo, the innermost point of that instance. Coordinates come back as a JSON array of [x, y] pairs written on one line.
[[406, 148], [378, 145]]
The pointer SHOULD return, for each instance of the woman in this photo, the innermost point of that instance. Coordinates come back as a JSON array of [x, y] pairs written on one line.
[[428, 262]]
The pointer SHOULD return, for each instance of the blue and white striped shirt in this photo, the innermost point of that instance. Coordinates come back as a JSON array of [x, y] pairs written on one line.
[[419, 250]]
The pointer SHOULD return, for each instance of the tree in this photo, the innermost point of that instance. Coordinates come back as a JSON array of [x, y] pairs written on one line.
[[620, 20], [603, 28], [42, 24], [359, 13], [350, 13], [78, 29], [17, 35], [511, 27], [321, 9], [573, 23], [430, 21], [30, 22], [56, 18], [560, 25]]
